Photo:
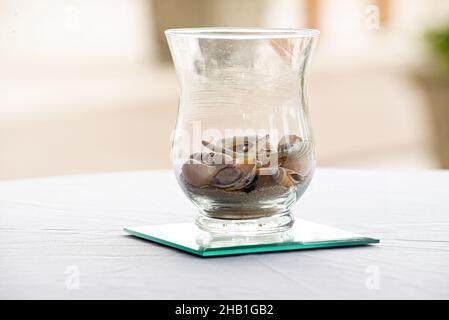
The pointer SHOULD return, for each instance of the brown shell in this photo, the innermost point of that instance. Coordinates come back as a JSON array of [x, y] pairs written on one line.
[[249, 148], [219, 149], [301, 166], [289, 143], [242, 150], [198, 174], [212, 158], [234, 177], [295, 154], [246, 144], [287, 178]]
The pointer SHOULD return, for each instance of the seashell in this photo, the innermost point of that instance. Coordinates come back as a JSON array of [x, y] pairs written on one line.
[[232, 156], [292, 144], [198, 174], [239, 144], [288, 143], [217, 148], [302, 166], [295, 154], [246, 144], [244, 149], [234, 177], [212, 158], [287, 178]]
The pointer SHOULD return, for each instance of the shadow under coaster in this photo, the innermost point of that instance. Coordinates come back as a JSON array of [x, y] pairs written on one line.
[[303, 235]]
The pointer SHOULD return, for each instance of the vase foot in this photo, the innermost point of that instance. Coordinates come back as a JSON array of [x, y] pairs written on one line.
[[275, 223]]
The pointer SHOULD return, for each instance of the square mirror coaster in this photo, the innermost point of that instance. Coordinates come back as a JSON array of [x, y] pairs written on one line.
[[303, 235]]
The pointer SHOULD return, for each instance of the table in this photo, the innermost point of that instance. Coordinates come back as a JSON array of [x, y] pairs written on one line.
[[61, 237]]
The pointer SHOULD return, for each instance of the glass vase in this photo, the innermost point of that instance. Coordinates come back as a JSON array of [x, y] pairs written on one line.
[[243, 150]]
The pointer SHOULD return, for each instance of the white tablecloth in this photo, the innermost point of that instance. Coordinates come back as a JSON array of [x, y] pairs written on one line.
[[62, 238]]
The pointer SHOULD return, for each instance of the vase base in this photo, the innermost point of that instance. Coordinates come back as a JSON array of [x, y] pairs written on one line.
[[275, 223]]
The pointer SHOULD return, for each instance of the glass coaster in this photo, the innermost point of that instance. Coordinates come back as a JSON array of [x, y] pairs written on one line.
[[303, 235]]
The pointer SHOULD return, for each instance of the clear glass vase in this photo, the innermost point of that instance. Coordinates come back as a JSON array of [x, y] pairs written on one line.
[[243, 150]]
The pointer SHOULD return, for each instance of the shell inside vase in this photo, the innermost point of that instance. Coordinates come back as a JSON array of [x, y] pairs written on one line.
[[247, 174]]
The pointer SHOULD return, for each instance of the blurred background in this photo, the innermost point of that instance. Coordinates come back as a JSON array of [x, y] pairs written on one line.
[[88, 86]]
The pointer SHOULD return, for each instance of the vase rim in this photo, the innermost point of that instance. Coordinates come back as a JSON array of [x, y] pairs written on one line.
[[236, 33]]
